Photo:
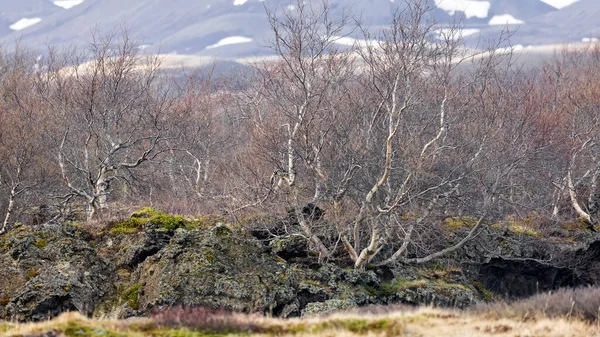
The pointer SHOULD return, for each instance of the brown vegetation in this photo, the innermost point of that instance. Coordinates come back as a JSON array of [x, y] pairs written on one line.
[[367, 149], [371, 321]]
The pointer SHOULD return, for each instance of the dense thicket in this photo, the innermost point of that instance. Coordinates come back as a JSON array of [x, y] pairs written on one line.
[[367, 148]]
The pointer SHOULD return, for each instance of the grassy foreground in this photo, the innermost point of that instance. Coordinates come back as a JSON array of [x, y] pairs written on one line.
[[375, 322]]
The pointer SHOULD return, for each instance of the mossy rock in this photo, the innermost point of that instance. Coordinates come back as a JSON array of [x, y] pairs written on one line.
[[150, 219], [56, 272], [328, 306], [221, 267], [131, 296]]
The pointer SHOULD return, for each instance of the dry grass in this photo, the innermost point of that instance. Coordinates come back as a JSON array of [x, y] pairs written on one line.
[[393, 321], [582, 304]]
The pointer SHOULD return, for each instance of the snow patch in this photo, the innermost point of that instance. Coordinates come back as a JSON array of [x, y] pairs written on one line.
[[589, 39], [510, 49], [349, 41], [66, 4], [24, 23], [558, 4], [455, 34], [505, 19], [471, 8], [239, 2], [229, 41]]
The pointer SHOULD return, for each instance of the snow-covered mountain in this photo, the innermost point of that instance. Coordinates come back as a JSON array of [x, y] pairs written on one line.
[[237, 28]]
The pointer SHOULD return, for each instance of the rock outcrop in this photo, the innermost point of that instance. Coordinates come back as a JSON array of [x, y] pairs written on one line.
[[154, 260], [48, 271]]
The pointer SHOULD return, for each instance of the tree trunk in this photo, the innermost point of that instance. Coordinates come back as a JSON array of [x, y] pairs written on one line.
[[573, 195], [9, 209], [370, 251]]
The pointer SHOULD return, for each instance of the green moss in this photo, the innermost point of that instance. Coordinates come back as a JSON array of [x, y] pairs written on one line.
[[31, 273], [170, 222], [362, 326], [161, 220], [523, 229], [453, 224], [439, 272], [392, 288], [68, 288], [521, 226], [185, 333], [295, 329], [131, 226], [131, 296], [4, 327], [144, 212], [209, 254], [40, 243], [488, 296], [574, 225], [77, 329]]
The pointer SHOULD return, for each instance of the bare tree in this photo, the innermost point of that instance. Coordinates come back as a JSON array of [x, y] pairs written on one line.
[[23, 163], [195, 157], [574, 79], [392, 135], [295, 109], [109, 108]]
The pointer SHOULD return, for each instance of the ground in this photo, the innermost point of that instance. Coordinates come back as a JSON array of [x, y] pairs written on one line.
[[380, 322]]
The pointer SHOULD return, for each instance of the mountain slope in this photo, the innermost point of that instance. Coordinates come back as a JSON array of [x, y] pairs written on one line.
[[238, 28]]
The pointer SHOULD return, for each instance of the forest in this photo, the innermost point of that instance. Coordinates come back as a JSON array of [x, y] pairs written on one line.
[[368, 148]]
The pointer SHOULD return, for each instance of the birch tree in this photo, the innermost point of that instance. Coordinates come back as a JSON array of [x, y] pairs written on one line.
[[394, 131], [109, 106], [298, 91], [574, 78], [23, 164]]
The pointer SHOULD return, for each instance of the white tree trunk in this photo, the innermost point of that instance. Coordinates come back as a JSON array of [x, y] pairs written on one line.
[[9, 209], [573, 195]]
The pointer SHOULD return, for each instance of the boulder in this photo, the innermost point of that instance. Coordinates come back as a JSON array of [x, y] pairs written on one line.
[[222, 267], [48, 271]]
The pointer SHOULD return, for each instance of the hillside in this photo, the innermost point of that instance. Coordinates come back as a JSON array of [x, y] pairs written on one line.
[[238, 28]]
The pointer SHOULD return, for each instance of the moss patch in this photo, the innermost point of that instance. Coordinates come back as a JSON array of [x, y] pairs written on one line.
[[520, 226], [363, 327], [488, 296], [439, 272], [4, 327], [131, 296], [454, 224], [40, 243], [392, 288], [76, 329], [31, 273], [160, 220]]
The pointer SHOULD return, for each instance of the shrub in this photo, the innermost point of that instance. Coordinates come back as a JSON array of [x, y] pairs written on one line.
[[207, 320], [583, 303]]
